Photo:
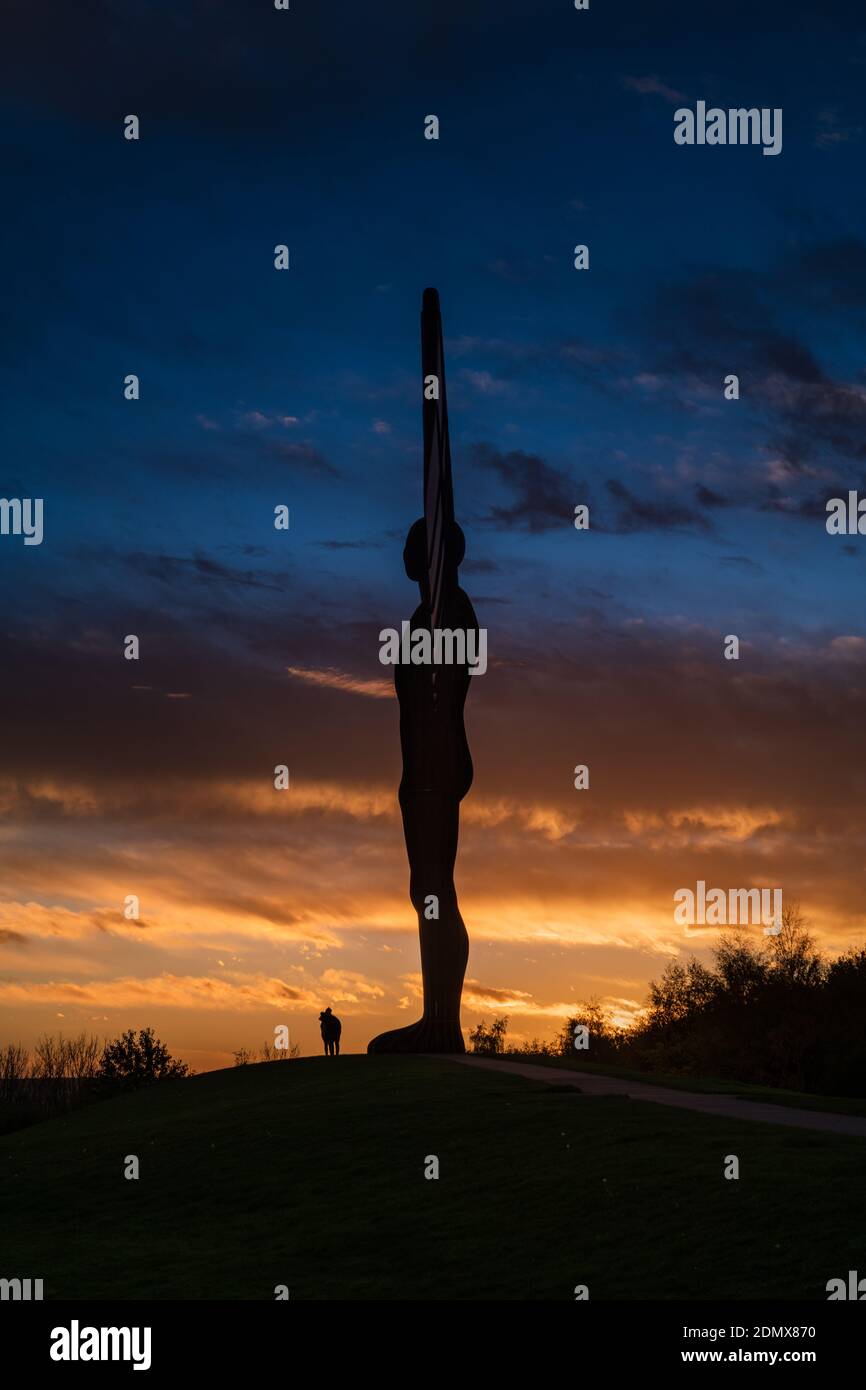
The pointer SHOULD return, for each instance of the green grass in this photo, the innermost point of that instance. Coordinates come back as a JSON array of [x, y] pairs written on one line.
[[310, 1173], [706, 1085]]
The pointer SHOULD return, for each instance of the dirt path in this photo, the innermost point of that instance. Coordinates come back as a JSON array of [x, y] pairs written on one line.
[[724, 1107]]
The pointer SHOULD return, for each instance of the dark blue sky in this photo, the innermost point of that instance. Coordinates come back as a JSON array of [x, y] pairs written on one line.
[[306, 128]]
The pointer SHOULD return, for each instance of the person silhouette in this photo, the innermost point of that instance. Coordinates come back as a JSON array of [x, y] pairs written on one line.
[[331, 1029]]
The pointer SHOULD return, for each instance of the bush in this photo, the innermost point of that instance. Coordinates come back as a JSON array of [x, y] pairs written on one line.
[[604, 1039], [770, 1012], [489, 1042], [139, 1061], [59, 1073], [267, 1053], [271, 1053]]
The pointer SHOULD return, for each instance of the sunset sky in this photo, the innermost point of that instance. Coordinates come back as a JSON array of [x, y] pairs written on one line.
[[260, 647]]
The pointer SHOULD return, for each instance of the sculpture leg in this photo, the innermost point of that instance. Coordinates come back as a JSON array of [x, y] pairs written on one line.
[[430, 825]]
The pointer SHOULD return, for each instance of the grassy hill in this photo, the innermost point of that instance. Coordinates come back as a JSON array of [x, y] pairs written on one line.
[[310, 1173]]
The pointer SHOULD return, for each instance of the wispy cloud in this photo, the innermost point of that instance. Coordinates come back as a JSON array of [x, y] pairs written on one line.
[[653, 86], [340, 680], [484, 383], [832, 131], [196, 992]]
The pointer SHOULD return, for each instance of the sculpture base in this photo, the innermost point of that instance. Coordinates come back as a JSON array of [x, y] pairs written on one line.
[[427, 1035]]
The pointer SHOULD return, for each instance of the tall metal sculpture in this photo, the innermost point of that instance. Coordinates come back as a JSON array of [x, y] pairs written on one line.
[[437, 767]]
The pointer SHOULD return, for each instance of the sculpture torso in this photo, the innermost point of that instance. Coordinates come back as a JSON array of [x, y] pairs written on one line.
[[436, 754]]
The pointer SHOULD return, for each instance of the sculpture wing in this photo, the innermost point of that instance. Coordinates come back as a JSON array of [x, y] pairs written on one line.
[[438, 491]]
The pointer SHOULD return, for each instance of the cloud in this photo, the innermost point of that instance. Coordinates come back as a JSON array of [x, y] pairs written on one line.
[[482, 566], [478, 994], [533, 867], [831, 131], [514, 270], [742, 562], [339, 680], [170, 991], [177, 569], [641, 514], [739, 319], [350, 545], [302, 456], [848, 647], [350, 986], [543, 495], [483, 382], [256, 419], [241, 72], [568, 358], [708, 498], [652, 86], [518, 1003]]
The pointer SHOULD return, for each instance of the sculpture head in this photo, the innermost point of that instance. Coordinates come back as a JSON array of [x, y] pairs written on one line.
[[415, 549]]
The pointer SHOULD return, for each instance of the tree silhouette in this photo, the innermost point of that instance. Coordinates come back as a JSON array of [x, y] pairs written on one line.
[[139, 1061], [489, 1042]]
